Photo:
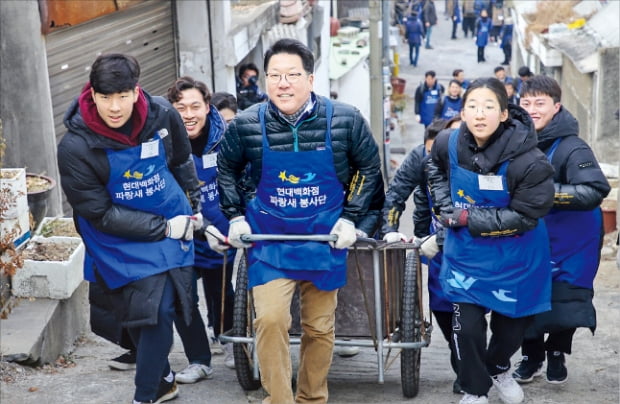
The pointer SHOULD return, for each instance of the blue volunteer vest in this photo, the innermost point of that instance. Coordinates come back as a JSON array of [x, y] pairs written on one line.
[[575, 237], [206, 169], [451, 108], [430, 98], [139, 179], [298, 193], [482, 37], [510, 275], [437, 298]]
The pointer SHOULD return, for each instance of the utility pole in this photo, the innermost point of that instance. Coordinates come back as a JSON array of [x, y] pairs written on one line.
[[376, 79]]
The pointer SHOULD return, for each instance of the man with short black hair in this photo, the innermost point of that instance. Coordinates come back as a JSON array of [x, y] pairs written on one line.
[[314, 170], [126, 170], [575, 228], [427, 95], [248, 92]]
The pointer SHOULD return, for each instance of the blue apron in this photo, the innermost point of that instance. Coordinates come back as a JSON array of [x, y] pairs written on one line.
[[574, 253], [297, 194], [510, 275], [451, 108], [430, 98], [139, 179], [482, 37], [436, 296], [206, 169]]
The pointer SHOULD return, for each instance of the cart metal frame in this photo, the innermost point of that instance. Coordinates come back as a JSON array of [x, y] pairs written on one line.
[[412, 333]]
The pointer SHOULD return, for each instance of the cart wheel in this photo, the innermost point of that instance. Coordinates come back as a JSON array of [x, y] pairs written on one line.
[[410, 331], [242, 327]]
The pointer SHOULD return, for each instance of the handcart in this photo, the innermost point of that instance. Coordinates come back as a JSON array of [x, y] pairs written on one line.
[[380, 307]]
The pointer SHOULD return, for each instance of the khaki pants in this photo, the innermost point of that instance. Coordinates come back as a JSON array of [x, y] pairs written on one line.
[[272, 302]]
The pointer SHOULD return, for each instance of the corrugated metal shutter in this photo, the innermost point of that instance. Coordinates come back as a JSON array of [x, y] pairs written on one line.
[[145, 31]]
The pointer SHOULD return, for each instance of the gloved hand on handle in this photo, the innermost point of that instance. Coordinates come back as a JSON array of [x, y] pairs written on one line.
[[394, 237], [427, 245], [345, 230], [453, 217], [180, 227], [197, 221], [217, 241], [238, 227]]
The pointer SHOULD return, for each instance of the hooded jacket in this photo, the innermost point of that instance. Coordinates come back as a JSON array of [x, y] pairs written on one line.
[[579, 181], [356, 155], [84, 171], [529, 175]]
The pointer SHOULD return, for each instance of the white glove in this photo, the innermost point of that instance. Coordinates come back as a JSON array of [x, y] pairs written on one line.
[[418, 118], [345, 230], [180, 227], [238, 227], [394, 236], [428, 246], [217, 241], [197, 221]]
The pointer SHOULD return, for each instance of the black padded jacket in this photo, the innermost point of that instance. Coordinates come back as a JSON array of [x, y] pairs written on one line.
[[529, 175], [356, 155], [85, 169], [408, 176], [579, 181]]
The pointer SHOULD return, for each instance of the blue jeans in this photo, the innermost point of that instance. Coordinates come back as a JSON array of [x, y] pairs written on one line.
[[153, 345], [412, 47], [194, 336], [429, 31]]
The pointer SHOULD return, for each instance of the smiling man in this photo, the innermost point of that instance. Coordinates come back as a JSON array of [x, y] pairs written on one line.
[[575, 228], [327, 148], [205, 127]]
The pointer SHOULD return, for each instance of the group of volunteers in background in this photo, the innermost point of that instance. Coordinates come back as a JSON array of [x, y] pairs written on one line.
[[164, 189], [484, 20]]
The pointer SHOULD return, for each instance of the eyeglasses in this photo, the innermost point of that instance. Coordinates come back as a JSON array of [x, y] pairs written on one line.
[[291, 78], [488, 109]]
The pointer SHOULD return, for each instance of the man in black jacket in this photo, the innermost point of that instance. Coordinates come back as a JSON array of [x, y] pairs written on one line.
[[314, 170], [126, 170], [575, 230]]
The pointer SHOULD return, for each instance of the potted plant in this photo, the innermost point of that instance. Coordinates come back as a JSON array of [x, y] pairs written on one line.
[[52, 268], [39, 189], [56, 227]]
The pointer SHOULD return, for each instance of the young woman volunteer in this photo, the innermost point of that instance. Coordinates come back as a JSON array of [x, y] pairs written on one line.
[[490, 186]]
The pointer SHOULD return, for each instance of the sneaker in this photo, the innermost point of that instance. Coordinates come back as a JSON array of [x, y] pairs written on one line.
[[126, 361], [229, 356], [509, 390], [166, 392], [471, 399], [215, 346], [556, 368], [347, 351], [193, 373], [456, 387], [527, 370]]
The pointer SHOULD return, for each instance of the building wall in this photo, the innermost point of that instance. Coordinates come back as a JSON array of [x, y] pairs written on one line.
[[606, 145], [577, 92]]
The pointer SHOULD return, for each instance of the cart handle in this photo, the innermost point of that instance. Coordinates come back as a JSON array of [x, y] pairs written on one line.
[[288, 237]]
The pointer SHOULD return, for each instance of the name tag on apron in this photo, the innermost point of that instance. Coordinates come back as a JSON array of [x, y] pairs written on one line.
[[209, 160], [490, 182], [149, 149]]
